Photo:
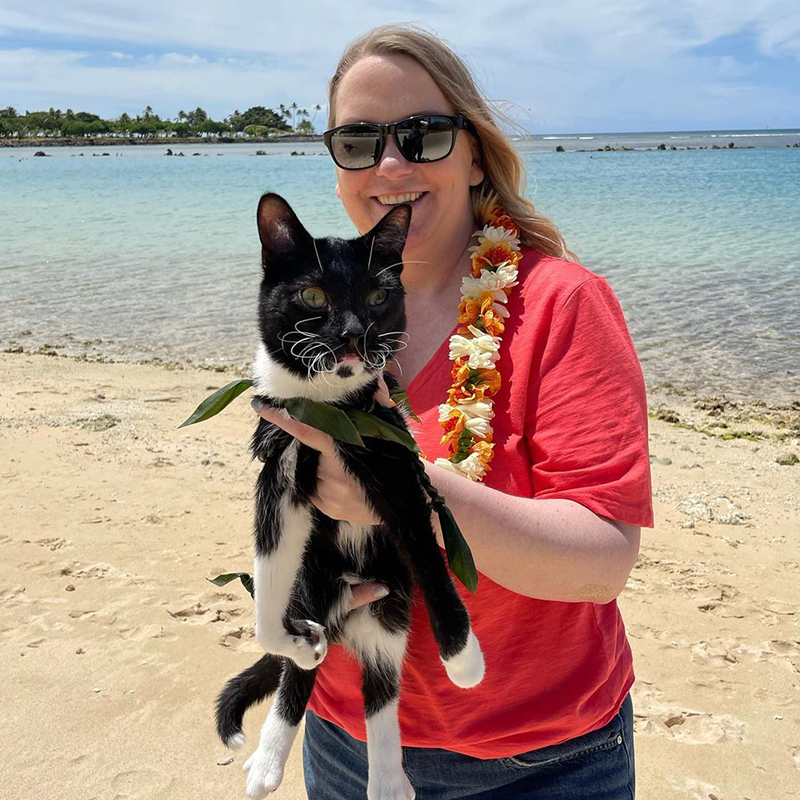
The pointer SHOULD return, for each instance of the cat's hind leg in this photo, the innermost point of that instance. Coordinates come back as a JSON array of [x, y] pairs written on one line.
[[266, 765], [381, 652]]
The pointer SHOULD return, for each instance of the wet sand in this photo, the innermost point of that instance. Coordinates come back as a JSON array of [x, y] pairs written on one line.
[[113, 645]]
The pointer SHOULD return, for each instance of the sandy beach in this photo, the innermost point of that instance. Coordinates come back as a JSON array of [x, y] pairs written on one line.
[[113, 645]]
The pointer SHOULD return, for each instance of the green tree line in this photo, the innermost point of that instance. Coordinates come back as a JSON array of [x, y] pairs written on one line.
[[256, 121]]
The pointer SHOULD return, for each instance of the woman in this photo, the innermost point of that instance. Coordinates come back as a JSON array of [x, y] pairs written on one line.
[[553, 523]]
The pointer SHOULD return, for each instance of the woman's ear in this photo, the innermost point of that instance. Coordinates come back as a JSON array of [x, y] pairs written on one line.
[[476, 168], [338, 190]]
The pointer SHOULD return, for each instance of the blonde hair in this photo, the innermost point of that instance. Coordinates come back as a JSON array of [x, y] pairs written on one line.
[[504, 172]]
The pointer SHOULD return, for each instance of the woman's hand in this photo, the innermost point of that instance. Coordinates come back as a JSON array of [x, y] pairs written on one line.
[[338, 495]]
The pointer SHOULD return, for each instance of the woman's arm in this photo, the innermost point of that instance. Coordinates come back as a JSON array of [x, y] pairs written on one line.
[[551, 549]]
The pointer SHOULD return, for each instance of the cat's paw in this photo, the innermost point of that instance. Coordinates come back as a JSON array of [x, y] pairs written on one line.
[[466, 669], [264, 773], [310, 642], [389, 784]]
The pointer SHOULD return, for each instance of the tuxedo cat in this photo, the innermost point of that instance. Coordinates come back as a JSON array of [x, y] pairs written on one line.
[[331, 314]]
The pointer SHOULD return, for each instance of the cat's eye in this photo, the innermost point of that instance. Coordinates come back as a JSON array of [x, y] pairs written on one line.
[[378, 297], [314, 297]]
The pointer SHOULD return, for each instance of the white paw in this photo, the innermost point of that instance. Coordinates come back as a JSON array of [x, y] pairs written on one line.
[[466, 669], [386, 785], [310, 648], [264, 773]]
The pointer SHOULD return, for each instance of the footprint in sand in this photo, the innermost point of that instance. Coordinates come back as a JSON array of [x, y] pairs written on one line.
[[208, 608], [143, 783], [52, 543], [242, 639], [686, 725], [12, 597], [782, 651]]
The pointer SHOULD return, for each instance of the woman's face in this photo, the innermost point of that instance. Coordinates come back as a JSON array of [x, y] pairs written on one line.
[[385, 89]]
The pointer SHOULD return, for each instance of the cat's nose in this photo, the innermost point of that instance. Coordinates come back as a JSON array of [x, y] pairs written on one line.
[[352, 330]]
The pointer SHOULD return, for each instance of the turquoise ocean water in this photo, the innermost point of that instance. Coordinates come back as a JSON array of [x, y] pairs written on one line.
[[159, 256]]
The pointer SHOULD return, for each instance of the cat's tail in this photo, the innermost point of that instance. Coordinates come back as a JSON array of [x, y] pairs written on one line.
[[251, 686]]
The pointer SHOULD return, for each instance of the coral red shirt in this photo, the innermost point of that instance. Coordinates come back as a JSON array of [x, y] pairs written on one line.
[[571, 422]]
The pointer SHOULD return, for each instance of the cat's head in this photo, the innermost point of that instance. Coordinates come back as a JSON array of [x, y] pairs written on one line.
[[331, 311]]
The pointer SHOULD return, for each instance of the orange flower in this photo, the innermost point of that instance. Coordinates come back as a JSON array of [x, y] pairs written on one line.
[[492, 323], [454, 426], [484, 451]]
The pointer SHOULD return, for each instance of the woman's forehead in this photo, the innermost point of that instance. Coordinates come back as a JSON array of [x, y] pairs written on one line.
[[386, 89]]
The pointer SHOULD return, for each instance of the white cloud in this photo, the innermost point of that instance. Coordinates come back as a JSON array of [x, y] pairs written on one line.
[[577, 64]]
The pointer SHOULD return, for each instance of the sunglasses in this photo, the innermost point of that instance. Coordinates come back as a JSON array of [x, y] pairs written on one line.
[[421, 139]]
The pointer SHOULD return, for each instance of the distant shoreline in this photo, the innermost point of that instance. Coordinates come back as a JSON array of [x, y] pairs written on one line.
[[112, 141]]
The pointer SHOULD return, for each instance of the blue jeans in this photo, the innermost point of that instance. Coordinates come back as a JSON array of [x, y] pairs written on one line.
[[596, 766]]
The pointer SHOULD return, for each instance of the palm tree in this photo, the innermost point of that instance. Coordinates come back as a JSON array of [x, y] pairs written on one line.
[[293, 106], [148, 112], [317, 109]]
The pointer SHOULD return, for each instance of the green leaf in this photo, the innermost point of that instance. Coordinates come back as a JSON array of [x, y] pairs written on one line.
[[214, 403], [401, 399], [459, 555], [244, 577], [370, 425], [328, 419]]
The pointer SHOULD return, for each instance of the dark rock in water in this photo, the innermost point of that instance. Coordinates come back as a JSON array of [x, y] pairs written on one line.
[[40, 154], [169, 152], [787, 459], [180, 154], [195, 154], [261, 153], [731, 145], [715, 147], [662, 147], [560, 149]]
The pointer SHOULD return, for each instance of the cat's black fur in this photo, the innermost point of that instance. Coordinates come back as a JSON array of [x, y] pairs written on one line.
[[399, 553]]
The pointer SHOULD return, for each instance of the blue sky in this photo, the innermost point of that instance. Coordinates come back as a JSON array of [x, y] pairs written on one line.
[[570, 66]]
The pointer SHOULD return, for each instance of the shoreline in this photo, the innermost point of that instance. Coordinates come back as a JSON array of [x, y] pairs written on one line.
[[114, 519], [110, 141], [717, 414]]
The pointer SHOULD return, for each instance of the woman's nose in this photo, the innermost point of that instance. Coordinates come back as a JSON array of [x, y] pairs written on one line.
[[392, 163]]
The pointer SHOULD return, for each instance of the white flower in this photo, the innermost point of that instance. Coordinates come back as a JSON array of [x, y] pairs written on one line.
[[448, 465], [479, 427], [473, 409], [472, 467], [445, 411], [504, 277], [481, 350], [497, 234]]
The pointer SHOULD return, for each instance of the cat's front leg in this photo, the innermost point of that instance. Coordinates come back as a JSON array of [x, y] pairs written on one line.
[[266, 765], [278, 559]]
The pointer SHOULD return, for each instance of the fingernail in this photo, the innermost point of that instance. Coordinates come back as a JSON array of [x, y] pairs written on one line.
[[257, 403], [380, 591]]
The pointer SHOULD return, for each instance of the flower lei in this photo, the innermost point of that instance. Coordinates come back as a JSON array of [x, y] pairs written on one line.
[[474, 349]]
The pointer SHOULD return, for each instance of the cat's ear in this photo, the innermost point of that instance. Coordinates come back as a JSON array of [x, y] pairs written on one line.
[[388, 238], [279, 229]]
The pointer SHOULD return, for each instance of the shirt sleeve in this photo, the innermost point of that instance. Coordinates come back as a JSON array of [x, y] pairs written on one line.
[[586, 416]]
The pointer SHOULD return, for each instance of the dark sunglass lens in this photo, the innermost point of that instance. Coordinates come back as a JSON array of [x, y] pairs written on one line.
[[353, 148], [428, 139]]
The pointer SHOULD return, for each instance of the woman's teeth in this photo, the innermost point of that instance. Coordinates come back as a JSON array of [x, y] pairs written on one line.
[[394, 199]]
